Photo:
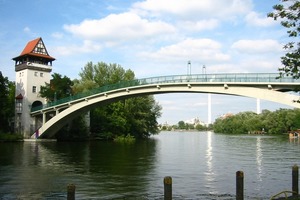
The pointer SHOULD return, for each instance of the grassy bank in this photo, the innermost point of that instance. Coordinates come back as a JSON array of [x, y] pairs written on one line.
[[8, 137]]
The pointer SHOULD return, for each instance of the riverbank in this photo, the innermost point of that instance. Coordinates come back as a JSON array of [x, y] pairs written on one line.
[[9, 137]]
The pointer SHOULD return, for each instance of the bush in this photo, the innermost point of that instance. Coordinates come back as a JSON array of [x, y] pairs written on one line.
[[125, 139], [7, 137]]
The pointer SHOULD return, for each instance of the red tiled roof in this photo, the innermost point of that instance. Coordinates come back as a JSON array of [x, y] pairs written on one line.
[[30, 46], [28, 50]]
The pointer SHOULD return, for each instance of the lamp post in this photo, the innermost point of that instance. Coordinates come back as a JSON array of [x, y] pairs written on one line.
[[189, 68], [204, 72], [208, 98]]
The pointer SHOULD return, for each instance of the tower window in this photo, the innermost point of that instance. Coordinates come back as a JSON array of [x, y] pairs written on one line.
[[41, 74], [19, 105], [33, 89], [35, 74]]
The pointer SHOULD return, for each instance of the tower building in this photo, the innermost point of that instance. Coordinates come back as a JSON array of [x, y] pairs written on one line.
[[33, 69]]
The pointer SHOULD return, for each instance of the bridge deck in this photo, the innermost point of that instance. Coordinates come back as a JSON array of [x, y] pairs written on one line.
[[232, 78]]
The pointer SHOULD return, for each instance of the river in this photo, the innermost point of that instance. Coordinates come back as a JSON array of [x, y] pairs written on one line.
[[202, 166]]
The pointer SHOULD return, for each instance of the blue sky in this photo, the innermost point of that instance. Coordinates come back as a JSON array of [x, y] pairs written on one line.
[[153, 38]]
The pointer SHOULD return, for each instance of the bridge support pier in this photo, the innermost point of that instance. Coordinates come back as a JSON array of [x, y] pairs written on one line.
[[258, 106], [44, 118]]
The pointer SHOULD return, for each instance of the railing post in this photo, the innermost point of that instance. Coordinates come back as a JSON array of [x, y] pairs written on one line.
[[295, 180], [168, 188], [239, 185], [71, 192]]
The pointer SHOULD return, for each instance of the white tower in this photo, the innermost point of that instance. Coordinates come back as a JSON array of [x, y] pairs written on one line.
[[33, 67]]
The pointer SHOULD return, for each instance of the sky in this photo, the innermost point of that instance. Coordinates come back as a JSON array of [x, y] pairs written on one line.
[[152, 38]]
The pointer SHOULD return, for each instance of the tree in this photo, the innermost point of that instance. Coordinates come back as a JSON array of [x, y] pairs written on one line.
[[7, 102], [181, 125], [200, 127], [288, 11], [277, 122], [76, 130], [58, 88], [141, 114], [136, 116]]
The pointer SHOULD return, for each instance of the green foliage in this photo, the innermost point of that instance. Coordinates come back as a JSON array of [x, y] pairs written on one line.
[[125, 139], [76, 130], [142, 114], [7, 102], [58, 88], [277, 122], [7, 137], [288, 11], [181, 125], [135, 115], [200, 127]]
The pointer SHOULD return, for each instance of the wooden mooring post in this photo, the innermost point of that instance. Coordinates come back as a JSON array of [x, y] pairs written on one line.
[[168, 188], [295, 180], [71, 192], [239, 185]]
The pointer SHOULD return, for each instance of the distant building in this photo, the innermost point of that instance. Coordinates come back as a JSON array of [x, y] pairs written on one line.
[[33, 67], [227, 115], [195, 121]]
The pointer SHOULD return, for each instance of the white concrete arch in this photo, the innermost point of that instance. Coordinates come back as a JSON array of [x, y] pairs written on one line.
[[264, 91]]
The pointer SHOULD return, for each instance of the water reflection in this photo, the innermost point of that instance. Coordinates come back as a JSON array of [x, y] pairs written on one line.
[[209, 175], [98, 169], [209, 157], [202, 166], [259, 158]]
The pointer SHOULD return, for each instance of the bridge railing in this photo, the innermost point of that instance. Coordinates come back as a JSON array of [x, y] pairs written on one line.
[[205, 78]]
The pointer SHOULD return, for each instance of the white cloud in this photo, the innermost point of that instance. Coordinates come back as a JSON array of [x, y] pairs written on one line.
[[189, 49], [27, 29], [255, 19], [119, 28], [188, 26], [193, 9], [257, 46], [57, 35], [86, 47]]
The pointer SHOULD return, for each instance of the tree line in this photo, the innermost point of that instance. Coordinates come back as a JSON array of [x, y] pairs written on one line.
[[277, 122], [181, 125]]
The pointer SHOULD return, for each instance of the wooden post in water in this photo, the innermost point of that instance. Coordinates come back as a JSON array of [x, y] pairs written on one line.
[[295, 180], [239, 185], [168, 188], [71, 192]]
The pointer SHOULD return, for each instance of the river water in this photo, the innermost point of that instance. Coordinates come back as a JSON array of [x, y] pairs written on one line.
[[202, 166]]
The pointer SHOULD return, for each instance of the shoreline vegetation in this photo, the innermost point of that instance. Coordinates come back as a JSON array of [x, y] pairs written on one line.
[[10, 137], [279, 122]]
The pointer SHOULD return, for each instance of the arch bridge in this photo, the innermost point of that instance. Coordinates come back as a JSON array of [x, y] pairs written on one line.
[[265, 86]]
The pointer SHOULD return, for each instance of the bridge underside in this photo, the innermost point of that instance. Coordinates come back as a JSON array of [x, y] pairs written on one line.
[[262, 91]]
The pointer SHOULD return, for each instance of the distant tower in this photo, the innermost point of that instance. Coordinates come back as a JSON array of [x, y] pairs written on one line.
[[33, 67]]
